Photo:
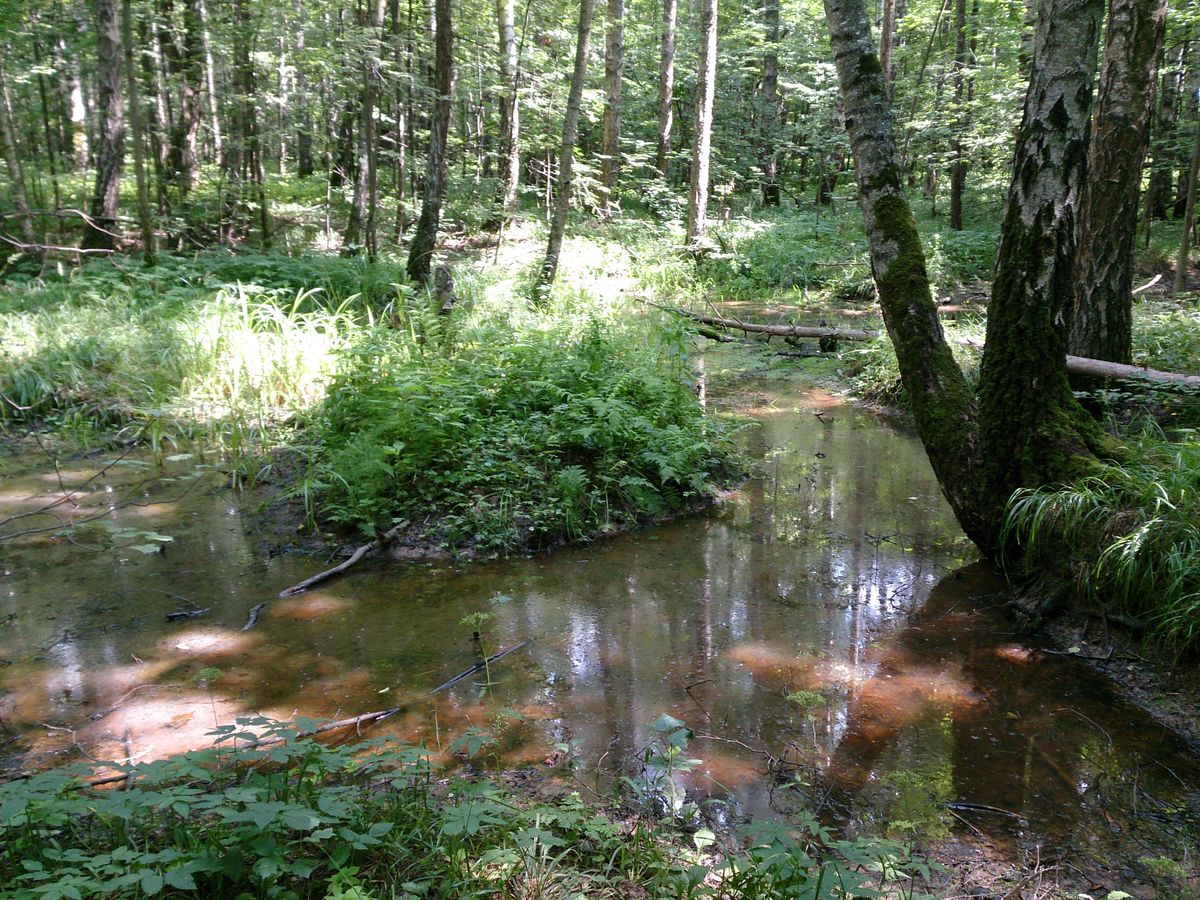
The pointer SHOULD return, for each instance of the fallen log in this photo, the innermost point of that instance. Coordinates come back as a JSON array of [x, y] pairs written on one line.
[[378, 544], [1076, 365]]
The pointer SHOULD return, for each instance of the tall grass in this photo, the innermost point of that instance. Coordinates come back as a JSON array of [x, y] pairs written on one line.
[[1133, 533], [195, 346]]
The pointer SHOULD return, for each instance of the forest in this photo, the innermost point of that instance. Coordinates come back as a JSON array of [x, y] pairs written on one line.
[[776, 419]]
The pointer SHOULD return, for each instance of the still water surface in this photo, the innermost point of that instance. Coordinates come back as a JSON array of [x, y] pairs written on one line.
[[836, 577]]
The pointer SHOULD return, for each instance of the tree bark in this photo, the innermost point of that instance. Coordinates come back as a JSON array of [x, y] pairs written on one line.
[[697, 216], [510, 107], [887, 38], [768, 153], [110, 150], [420, 252], [1101, 323], [614, 64], [361, 225], [210, 79], [1189, 219], [1158, 191], [566, 158], [943, 404], [305, 167], [137, 136], [1032, 430], [666, 89], [958, 172], [12, 162], [191, 108]]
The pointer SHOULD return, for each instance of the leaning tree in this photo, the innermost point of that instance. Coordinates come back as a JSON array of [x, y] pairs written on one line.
[[1022, 426]]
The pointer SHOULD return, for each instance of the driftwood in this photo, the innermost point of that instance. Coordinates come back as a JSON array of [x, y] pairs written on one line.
[[376, 545], [479, 665], [1076, 365]]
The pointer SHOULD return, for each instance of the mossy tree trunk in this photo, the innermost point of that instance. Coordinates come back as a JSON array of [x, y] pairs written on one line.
[[1101, 322], [1026, 427], [943, 403]]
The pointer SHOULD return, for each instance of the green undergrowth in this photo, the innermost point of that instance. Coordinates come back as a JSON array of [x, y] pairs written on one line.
[[1133, 534], [377, 820], [505, 426]]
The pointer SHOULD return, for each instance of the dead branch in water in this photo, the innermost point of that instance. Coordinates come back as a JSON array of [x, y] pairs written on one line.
[[376, 545], [479, 665]]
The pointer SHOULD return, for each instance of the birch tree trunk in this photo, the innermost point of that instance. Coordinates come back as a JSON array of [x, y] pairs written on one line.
[[420, 252], [697, 216], [1032, 430], [614, 64], [666, 88], [510, 107], [110, 149], [566, 158], [1101, 323]]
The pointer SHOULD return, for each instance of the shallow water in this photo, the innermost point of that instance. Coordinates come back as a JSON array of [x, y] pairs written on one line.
[[836, 574]]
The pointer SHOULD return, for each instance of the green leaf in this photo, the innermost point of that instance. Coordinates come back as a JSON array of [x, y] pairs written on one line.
[[152, 882], [665, 723]]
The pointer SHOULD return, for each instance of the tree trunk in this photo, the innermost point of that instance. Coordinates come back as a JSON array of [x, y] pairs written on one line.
[[183, 137], [1101, 321], [1032, 430], [614, 63], [1027, 428], [110, 152], [958, 172], [666, 88], [420, 252], [697, 216], [887, 38], [305, 167], [1189, 219], [942, 401], [12, 162], [137, 136], [566, 159], [210, 79], [1158, 191], [361, 224], [770, 106], [510, 107]]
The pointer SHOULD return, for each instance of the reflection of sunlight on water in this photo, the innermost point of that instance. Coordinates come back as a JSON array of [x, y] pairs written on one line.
[[211, 642]]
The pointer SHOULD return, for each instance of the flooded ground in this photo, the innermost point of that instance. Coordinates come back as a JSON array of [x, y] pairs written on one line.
[[823, 631]]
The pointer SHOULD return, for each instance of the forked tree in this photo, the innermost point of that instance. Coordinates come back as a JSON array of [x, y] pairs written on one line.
[[1024, 427]]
